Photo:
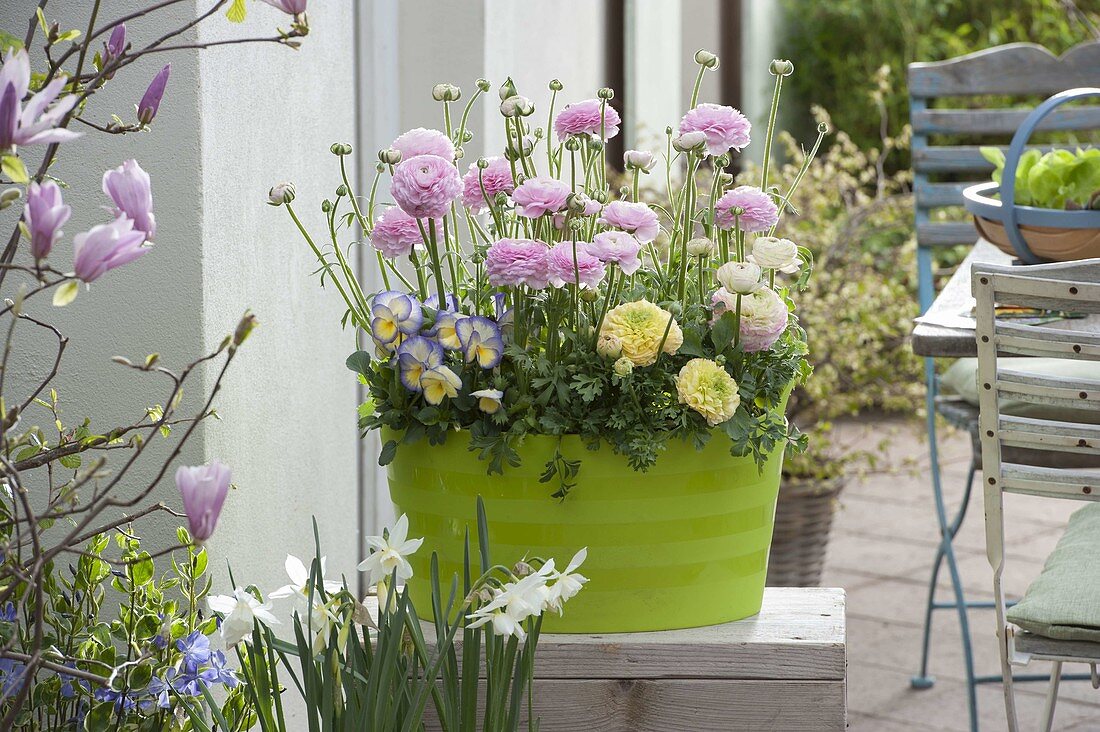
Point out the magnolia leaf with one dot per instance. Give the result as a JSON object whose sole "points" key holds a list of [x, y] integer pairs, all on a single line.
{"points": [[13, 168], [8, 41], [69, 35], [65, 294], [236, 12]]}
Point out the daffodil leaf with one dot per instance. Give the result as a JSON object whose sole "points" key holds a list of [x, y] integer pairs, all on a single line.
{"points": [[236, 12], [13, 168], [65, 294]]}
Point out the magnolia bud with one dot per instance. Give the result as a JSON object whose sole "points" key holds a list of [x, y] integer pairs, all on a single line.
{"points": [[623, 367], [556, 85], [606, 93], [706, 59], [689, 141], [8, 197], [741, 278], [390, 156], [244, 328], [642, 160], [609, 346], [280, 194], [781, 67], [701, 247]]}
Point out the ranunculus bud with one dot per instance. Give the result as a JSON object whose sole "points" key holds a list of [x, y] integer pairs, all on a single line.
{"points": [[642, 160], [340, 148], [606, 93], [483, 84], [689, 141], [609, 346], [600, 195], [588, 294], [741, 278], [280, 194], [341, 190], [326, 205], [781, 67], [459, 153], [823, 128], [556, 85], [623, 367], [483, 163], [706, 58], [507, 89], [390, 156], [674, 308], [516, 106], [595, 144], [573, 143], [446, 93], [701, 246]]}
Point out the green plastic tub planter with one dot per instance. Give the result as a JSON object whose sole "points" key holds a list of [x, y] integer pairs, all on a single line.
{"points": [[682, 545]]}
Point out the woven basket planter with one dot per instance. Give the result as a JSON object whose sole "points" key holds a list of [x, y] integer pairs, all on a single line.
{"points": [[803, 520]]}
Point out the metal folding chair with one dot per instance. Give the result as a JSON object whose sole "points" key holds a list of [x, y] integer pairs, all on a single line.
{"points": [[1071, 287], [940, 173]]}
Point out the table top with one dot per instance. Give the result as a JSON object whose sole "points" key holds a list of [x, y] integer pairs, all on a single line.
{"points": [[947, 329]]}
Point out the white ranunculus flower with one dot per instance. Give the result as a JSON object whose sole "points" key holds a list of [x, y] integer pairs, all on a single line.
{"points": [[689, 141], [772, 253], [390, 552], [741, 278], [239, 611], [642, 160], [701, 246]]}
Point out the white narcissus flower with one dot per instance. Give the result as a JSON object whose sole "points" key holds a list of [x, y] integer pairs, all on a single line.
{"points": [[771, 253], [390, 552], [239, 612], [298, 573], [568, 583], [741, 278]]}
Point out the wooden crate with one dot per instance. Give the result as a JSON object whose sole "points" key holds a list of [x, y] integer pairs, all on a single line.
{"points": [[783, 669]]}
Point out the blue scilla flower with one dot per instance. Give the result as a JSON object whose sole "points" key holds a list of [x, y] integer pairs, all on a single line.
{"points": [[415, 356], [481, 341]]}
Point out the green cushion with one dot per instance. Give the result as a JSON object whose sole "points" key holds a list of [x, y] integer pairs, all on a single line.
{"points": [[962, 379], [1064, 601]]}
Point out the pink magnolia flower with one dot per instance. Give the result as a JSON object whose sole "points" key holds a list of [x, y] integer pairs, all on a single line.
{"points": [[37, 122], [584, 118], [150, 101], [616, 247], [763, 316], [421, 141], [759, 212], [634, 218], [203, 488], [586, 270], [497, 178], [540, 195], [44, 214], [290, 7], [395, 233], [129, 187], [725, 127], [425, 185], [515, 262], [105, 247]]}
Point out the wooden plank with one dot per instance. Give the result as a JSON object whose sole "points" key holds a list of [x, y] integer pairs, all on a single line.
{"points": [[1000, 121], [1016, 68], [960, 158], [937, 195], [946, 233], [698, 705]]}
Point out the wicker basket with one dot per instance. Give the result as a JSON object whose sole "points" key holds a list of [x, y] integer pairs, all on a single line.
{"points": [[803, 519]]}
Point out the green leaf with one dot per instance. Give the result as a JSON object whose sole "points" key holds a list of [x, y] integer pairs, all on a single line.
{"points": [[359, 362], [72, 462], [723, 331], [141, 571], [13, 167], [388, 452], [99, 718], [236, 12], [65, 294], [69, 35], [7, 40]]}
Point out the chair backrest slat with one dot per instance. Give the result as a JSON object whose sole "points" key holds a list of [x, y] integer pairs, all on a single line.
{"points": [[1049, 482], [1081, 393], [943, 167]]}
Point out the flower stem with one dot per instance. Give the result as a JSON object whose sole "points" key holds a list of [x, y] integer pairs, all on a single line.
{"points": [[770, 133]]}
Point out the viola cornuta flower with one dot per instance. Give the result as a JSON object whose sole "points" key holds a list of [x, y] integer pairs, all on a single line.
{"points": [[707, 387], [589, 117], [203, 488], [439, 383], [495, 178], [132, 192], [421, 141], [415, 356], [481, 341], [44, 214], [634, 218], [395, 312], [758, 211], [725, 128], [38, 122], [105, 247], [617, 247], [540, 195], [445, 331], [643, 328], [488, 400], [425, 185], [518, 262], [571, 263]]}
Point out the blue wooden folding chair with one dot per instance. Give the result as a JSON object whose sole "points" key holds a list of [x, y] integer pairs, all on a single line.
{"points": [[942, 168]]}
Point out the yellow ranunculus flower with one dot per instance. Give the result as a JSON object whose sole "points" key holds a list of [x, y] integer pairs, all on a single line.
{"points": [[707, 388], [640, 326]]}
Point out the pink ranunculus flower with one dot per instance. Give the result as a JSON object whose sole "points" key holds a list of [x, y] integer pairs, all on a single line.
{"points": [[105, 247], [586, 270], [425, 185], [617, 247], [763, 316], [515, 262], [395, 233], [44, 214], [584, 118], [634, 218], [725, 127], [540, 195], [129, 187], [759, 210], [203, 489], [497, 178], [421, 141]]}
